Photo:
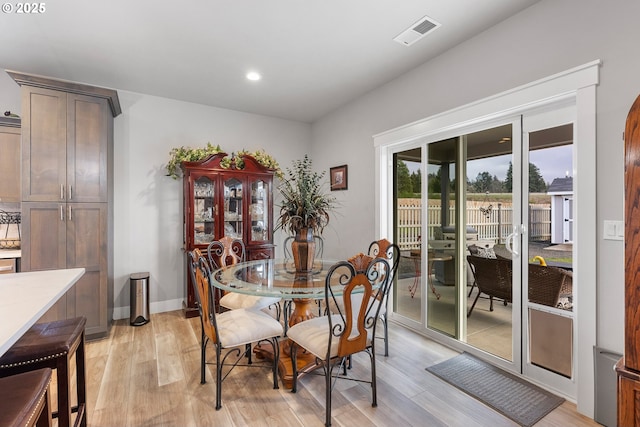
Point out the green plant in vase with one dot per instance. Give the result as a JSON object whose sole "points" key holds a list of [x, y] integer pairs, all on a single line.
{"points": [[304, 210]]}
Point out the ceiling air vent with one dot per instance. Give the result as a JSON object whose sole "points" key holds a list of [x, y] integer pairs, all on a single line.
{"points": [[417, 31]]}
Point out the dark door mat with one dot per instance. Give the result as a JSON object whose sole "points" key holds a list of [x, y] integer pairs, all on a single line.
{"points": [[513, 397]]}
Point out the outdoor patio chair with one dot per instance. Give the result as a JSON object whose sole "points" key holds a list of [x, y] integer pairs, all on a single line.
{"points": [[492, 276], [494, 279]]}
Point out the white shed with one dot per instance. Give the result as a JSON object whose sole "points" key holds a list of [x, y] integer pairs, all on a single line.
{"points": [[561, 192]]}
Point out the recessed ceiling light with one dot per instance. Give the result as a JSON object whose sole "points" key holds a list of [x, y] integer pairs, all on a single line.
{"points": [[253, 76]]}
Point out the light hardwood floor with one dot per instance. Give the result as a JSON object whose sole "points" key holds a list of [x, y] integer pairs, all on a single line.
{"points": [[150, 376]]}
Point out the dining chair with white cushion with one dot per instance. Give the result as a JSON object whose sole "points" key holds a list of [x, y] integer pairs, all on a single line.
{"points": [[227, 251], [350, 329], [233, 330], [383, 248]]}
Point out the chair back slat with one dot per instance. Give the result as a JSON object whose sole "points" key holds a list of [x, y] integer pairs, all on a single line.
{"points": [[226, 251], [383, 248]]}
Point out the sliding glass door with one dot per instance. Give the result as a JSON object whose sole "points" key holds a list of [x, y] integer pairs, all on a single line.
{"points": [[484, 224], [549, 322]]}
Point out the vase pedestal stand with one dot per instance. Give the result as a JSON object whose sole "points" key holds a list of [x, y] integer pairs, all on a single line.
{"points": [[303, 310]]}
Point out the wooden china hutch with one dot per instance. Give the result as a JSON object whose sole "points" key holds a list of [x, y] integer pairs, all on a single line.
{"points": [[628, 368], [227, 196]]}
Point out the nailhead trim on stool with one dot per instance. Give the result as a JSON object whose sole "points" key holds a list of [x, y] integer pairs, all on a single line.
{"points": [[25, 400], [52, 345]]}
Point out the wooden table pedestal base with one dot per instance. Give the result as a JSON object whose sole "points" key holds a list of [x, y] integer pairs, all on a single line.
{"points": [[303, 310]]}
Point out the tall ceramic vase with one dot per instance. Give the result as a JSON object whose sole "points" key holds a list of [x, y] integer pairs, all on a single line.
{"points": [[303, 249]]}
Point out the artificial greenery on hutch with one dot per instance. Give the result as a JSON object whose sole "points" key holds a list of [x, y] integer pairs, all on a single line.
{"points": [[188, 154]]}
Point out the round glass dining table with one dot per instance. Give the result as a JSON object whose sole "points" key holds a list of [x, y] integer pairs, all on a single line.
{"points": [[278, 278]]}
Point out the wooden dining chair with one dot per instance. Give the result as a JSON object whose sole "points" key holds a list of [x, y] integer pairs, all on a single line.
{"points": [[383, 248], [228, 251], [352, 329], [233, 330]]}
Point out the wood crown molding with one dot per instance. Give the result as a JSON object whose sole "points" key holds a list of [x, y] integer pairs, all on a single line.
{"points": [[67, 86]]}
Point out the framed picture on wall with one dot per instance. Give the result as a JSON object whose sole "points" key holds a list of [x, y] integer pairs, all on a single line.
{"points": [[338, 177]]}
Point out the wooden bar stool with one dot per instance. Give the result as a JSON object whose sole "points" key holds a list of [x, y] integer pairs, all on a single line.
{"points": [[25, 400], [52, 345]]}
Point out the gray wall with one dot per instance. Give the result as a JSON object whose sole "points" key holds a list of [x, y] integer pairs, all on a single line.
{"points": [[549, 37], [147, 203]]}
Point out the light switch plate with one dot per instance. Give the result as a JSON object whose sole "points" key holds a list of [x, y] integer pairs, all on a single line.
{"points": [[613, 230]]}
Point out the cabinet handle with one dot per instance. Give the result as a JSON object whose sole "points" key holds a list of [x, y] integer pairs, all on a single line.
{"points": [[7, 268], [61, 191], [69, 214], [70, 193], [61, 213]]}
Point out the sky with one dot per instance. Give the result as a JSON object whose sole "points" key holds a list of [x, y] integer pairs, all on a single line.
{"points": [[553, 163]]}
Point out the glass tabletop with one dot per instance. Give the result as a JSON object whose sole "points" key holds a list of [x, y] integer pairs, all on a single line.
{"points": [[275, 277]]}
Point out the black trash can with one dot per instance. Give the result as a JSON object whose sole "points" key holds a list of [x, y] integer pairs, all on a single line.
{"points": [[139, 293]]}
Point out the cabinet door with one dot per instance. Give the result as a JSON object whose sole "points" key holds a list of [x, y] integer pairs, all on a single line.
{"points": [[259, 211], [43, 236], [88, 121], [86, 247], [44, 245], [202, 212], [628, 402], [44, 137], [233, 210], [9, 164]]}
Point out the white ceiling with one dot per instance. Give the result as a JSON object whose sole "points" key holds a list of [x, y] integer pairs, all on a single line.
{"points": [[314, 55]]}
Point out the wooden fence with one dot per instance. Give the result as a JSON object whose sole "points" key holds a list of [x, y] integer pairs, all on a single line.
{"points": [[492, 222]]}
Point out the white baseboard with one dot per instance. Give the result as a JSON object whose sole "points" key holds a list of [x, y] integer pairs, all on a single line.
{"points": [[154, 307]]}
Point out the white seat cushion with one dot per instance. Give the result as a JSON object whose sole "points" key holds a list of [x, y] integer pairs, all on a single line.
{"points": [[313, 335], [239, 327], [234, 301]]}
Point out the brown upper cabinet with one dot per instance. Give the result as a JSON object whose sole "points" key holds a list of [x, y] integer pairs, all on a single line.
{"points": [[67, 191], [64, 150], [9, 160]]}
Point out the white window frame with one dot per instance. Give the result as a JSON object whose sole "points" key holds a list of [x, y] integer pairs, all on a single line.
{"points": [[578, 83]]}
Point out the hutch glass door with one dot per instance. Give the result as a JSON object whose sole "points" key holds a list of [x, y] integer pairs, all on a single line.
{"points": [[258, 211], [233, 208], [203, 211]]}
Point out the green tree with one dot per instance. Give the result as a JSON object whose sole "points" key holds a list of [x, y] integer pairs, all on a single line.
{"points": [[403, 180], [416, 181], [508, 182], [483, 182], [433, 183], [536, 181]]}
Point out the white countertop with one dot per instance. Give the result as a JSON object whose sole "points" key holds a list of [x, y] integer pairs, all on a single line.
{"points": [[10, 253], [25, 297]]}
